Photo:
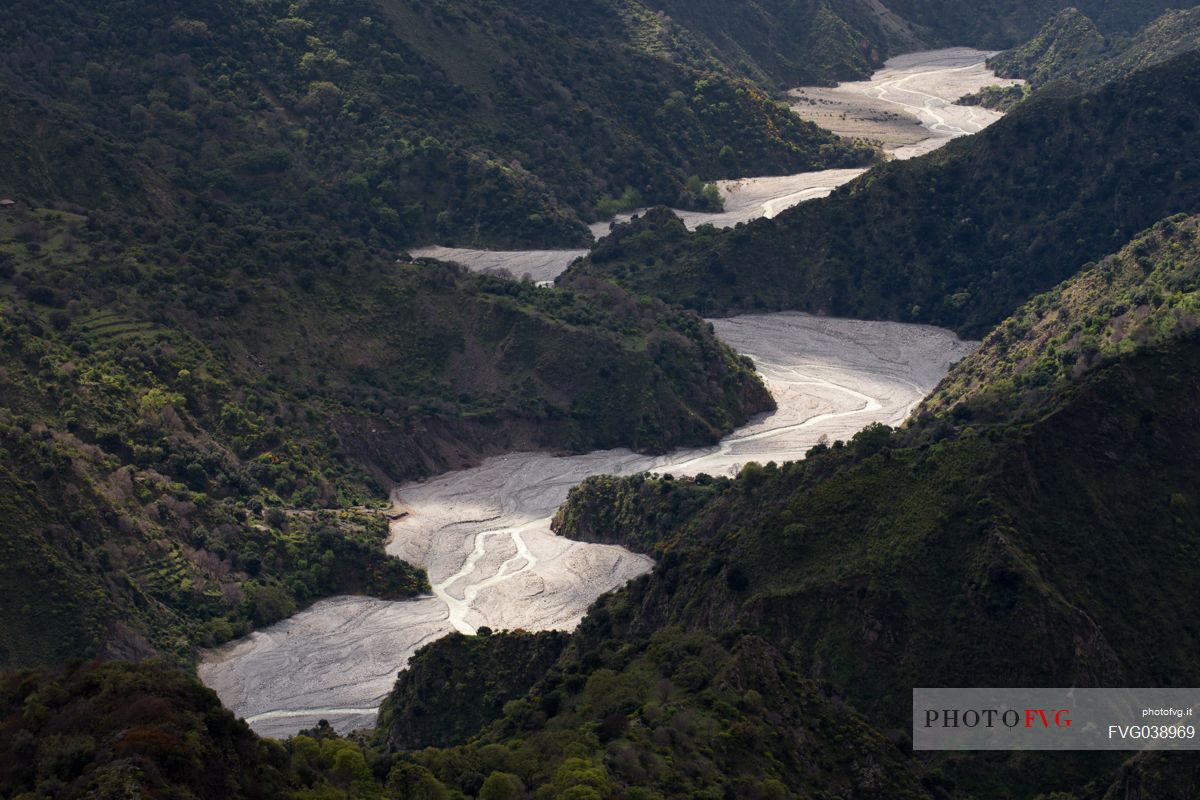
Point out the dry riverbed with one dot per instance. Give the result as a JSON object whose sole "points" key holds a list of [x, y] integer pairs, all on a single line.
{"points": [[908, 107], [484, 533]]}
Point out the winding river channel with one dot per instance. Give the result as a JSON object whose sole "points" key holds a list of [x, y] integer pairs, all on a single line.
{"points": [[483, 534], [907, 107]]}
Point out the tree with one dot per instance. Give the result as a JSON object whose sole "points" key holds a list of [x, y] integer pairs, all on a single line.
{"points": [[501, 786], [579, 779], [413, 782], [271, 604]]}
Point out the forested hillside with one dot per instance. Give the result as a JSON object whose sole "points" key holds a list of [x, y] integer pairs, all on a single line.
{"points": [[454, 686], [959, 238], [1068, 40], [787, 44], [171, 433], [399, 122], [1021, 532], [818, 41], [994, 24], [1071, 47]]}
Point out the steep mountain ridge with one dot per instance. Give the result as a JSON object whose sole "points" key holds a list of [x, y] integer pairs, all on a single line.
{"points": [[1005, 23], [818, 41], [1071, 47], [1067, 40]]}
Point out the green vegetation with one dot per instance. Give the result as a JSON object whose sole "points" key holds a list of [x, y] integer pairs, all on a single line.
{"points": [[1070, 47], [701, 195], [1163, 776], [111, 730], [676, 715], [786, 43], [1144, 296], [1004, 23], [996, 97], [211, 437], [396, 123], [783, 44], [1067, 40], [959, 238], [609, 207], [214, 365], [456, 685], [108, 730], [1037, 510], [1172, 34]]}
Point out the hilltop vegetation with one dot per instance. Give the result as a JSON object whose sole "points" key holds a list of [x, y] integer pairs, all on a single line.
{"points": [[959, 238], [403, 121], [456, 685], [788, 44], [674, 715], [1140, 298], [1069, 39], [147, 730], [113, 729], [1004, 23], [785, 43]]}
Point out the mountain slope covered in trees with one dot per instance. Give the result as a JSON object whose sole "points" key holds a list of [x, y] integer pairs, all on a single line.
{"points": [[789, 43], [184, 447], [1071, 47], [771, 654], [995, 24], [403, 121], [1067, 40], [397, 121], [215, 364]]}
